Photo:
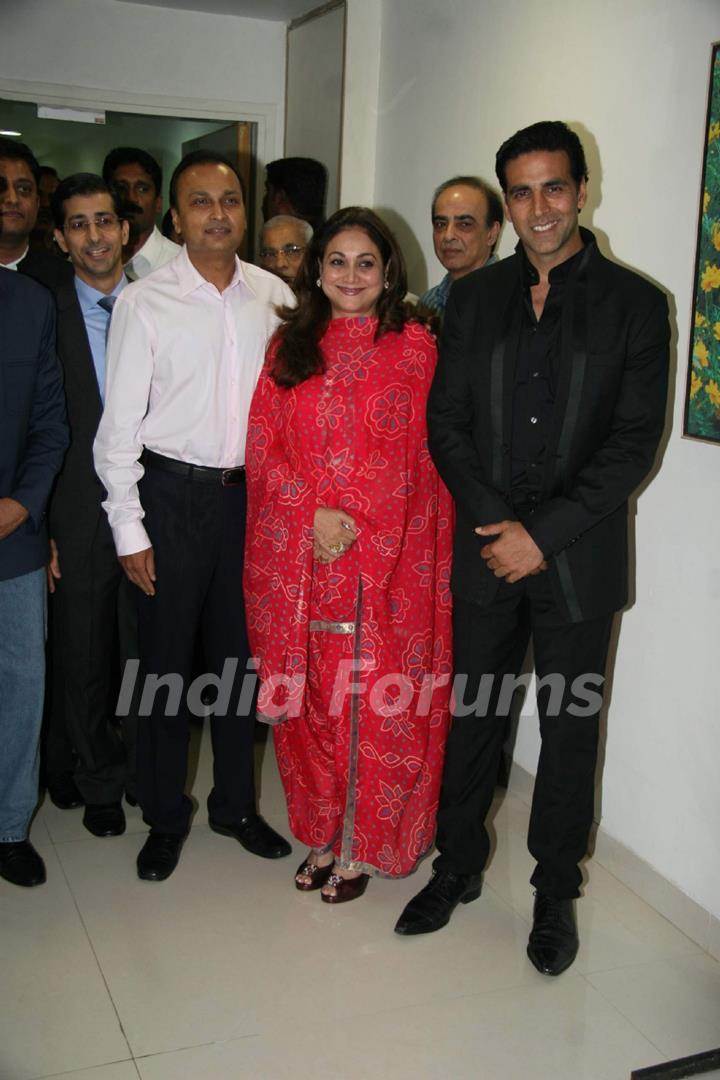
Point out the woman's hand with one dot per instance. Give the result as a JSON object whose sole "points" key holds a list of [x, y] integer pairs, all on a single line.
{"points": [[333, 533]]}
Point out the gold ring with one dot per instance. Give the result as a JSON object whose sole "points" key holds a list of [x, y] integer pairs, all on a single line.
{"points": [[336, 548]]}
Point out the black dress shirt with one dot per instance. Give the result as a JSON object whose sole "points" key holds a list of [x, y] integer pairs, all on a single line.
{"points": [[534, 385]]}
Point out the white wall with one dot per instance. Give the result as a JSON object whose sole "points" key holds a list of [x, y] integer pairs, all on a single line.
{"points": [[144, 50], [458, 78], [313, 118]]}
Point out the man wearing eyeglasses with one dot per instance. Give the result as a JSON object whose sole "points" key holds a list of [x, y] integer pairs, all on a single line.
{"points": [[84, 574], [282, 246]]}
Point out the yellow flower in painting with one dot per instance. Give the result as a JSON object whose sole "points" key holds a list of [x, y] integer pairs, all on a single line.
{"points": [[715, 235], [701, 352], [710, 278], [714, 132], [706, 201], [695, 384], [700, 320], [713, 392], [716, 331]]}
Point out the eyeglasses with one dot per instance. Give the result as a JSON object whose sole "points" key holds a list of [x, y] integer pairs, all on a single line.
{"points": [[103, 222], [290, 251]]}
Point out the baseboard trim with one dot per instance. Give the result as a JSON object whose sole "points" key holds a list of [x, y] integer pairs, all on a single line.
{"points": [[700, 925]]}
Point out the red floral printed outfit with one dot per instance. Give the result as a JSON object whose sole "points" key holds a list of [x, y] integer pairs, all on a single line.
{"points": [[355, 653]]}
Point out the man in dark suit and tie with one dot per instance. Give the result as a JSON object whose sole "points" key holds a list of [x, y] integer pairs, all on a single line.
{"points": [[33, 438], [85, 573], [545, 415]]}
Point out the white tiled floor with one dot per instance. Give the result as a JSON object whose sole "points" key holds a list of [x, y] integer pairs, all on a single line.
{"points": [[226, 972]]}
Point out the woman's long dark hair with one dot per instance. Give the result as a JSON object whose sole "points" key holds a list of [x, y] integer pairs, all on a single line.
{"points": [[298, 353]]}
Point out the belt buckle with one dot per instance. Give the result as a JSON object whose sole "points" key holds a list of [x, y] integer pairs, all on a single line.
{"points": [[232, 477]]}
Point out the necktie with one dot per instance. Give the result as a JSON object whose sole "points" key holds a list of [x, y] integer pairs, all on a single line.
{"points": [[107, 303]]}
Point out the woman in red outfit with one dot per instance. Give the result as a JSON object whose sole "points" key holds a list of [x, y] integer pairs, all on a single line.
{"points": [[347, 563]]}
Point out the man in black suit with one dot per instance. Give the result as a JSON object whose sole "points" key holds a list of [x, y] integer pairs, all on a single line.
{"points": [[85, 574], [19, 206], [33, 438], [544, 417]]}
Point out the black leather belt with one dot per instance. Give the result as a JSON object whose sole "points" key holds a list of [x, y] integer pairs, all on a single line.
{"points": [[226, 477]]}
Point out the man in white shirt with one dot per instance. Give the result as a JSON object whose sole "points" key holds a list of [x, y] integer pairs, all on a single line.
{"points": [[138, 178], [185, 351]]}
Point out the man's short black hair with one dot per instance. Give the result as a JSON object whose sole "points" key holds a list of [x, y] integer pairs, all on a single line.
{"points": [[548, 135], [48, 170], [202, 157], [132, 155], [495, 206], [82, 183], [12, 150], [304, 181]]}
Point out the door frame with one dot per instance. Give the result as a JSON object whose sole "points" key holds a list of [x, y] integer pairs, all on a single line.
{"points": [[265, 116]]}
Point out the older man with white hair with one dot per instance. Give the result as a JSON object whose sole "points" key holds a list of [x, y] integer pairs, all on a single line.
{"points": [[282, 245]]}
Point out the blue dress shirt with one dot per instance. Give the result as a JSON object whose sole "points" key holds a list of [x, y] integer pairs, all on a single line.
{"points": [[96, 323]]}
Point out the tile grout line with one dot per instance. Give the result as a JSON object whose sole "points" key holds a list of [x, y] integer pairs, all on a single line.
{"points": [[627, 1019], [99, 965]]}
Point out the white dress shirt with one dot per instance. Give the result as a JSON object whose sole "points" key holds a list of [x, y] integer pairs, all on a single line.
{"points": [[182, 363], [157, 251], [15, 263]]}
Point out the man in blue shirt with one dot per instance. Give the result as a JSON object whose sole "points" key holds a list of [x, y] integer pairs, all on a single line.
{"points": [[84, 571], [467, 216]]}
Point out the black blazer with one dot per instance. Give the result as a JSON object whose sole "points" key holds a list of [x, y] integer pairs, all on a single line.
{"points": [[611, 388], [33, 430], [75, 512]]}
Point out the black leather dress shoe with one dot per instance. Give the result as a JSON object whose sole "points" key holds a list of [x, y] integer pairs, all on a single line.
{"points": [[20, 864], [106, 819], [255, 835], [432, 907], [159, 856], [553, 943], [64, 793]]}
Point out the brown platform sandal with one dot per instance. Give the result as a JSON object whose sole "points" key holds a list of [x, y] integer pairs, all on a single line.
{"points": [[345, 888], [318, 876]]}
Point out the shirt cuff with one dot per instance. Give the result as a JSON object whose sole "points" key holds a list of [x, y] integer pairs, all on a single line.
{"points": [[130, 538]]}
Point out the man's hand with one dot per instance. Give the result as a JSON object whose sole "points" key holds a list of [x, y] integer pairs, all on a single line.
{"points": [[12, 514], [53, 567], [140, 568], [513, 554]]}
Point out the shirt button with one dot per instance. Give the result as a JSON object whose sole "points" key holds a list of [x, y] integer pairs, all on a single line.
{"points": [[533, 419], [535, 374]]}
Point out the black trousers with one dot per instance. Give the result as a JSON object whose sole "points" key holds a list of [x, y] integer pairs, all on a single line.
{"points": [[81, 733], [492, 642], [197, 529]]}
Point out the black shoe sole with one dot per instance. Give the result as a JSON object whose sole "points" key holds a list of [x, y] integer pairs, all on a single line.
{"points": [[544, 971], [412, 931], [224, 831], [148, 875]]}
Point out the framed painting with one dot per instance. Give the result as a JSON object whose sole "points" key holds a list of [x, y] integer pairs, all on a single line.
{"points": [[702, 402]]}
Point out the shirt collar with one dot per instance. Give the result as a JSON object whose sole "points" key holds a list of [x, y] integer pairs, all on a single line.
{"points": [[190, 279], [146, 253], [88, 296], [558, 273], [16, 262]]}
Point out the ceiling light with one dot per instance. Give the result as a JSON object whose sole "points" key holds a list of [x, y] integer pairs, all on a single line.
{"points": [[10, 132]]}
